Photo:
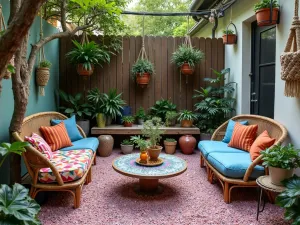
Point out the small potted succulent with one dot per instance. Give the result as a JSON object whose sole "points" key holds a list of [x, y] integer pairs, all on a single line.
{"points": [[143, 146], [229, 37], [127, 146], [43, 75], [263, 12], [171, 117], [152, 130], [186, 118], [141, 72], [186, 58], [128, 121], [140, 116], [281, 161], [170, 145]]}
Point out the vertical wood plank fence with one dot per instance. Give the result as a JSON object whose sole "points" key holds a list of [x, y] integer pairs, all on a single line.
{"points": [[166, 83]]}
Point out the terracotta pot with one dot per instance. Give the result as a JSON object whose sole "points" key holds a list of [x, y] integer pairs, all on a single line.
{"points": [[101, 120], [126, 149], [204, 136], [186, 69], [106, 144], [263, 16], [127, 124], [83, 72], [277, 175], [144, 80], [170, 147], [154, 152], [187, 144], [143, 157], [232, 38], [186, 123]]}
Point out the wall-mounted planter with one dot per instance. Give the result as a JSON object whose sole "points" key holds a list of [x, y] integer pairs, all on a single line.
{"points": [[264, 17], [83, 72], [143, 80], [229, 39], [186, 69]]}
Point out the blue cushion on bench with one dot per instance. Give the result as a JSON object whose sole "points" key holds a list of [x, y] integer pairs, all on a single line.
{"points": [[230, 128], [234, 165], [207, 147], [85, 143]]}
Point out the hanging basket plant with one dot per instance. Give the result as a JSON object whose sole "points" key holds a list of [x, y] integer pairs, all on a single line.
{"points": [[141, 72], [43, 75], [230, 36], [267, 12]]}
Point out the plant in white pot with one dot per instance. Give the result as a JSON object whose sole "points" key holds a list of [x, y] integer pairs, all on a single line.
{"points": [[127, 146], [281, 161]]}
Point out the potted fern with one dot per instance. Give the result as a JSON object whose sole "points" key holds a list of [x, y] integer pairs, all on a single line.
{"points": [[128, 121], [141, 72], [229, 37], [186, 118], [127, 146], [140, 115], [171, 117], [263, 12]]}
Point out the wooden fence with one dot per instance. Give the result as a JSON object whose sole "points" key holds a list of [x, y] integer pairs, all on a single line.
{"points": [[166, 83]]}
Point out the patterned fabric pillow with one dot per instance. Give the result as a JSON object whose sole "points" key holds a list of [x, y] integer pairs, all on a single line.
{"points": [[56, 136], [243, 136], [261, 143], [40, 144]]}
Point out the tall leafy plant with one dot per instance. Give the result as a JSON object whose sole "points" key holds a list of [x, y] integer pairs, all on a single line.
{"points": [[152, 130], [161, 107], [216, 103], [96, 100], [140, 67]]}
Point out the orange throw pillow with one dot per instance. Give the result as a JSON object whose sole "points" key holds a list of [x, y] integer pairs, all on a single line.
{"points": [[243, 136], [262, 142], [56, 136]]}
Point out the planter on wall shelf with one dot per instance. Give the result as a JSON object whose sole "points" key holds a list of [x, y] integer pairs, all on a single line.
{"points": [[263, 16], [83, 72], [229, 39], [143, 80], [186, 69], [127, 124], [186, 123]]}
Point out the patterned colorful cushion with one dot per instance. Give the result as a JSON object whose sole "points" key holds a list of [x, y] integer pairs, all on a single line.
{"points": [[243, 136], [71, 165], [56, 136], [261, 143], [40, 144]]}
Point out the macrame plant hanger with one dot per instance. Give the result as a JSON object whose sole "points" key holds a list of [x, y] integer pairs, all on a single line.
{"points": [[84, 40], [290, 58], [7, 74], [43, 73]]}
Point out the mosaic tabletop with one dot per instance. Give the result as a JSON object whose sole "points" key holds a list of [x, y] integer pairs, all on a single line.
{"points": [[171, 166]]}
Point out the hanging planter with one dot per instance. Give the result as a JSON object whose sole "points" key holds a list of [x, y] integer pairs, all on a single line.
{"points": [[230, 36], [142, 71], [43, 75], [267, 13], [81, 70]]}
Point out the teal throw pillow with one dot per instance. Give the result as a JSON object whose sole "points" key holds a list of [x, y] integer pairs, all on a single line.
{"points": [[229, 130]]}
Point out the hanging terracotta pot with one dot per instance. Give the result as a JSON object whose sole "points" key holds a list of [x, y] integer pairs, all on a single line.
{"points": [[186, 69], [42, 78], [143, 80], [187, 144], [229, 39], [83, 72], [263, 16]]}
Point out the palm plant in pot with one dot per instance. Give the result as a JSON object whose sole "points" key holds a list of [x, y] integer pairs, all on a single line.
{"points": [[141, 72], [128, 121], [127, 146], [186, 118], [186, 58], [140, 116], [263, 12], [152, 130], [229, 37], [86, 56], [170, 145], [281, 161], [143, 146], [96, 100]]}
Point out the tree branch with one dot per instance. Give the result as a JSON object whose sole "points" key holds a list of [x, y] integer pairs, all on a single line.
{"points": [[63, 15]]}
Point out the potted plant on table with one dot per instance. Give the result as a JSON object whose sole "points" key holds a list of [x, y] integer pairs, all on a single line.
{"points": [[263, 12], [281, 161], [128, 121], [170, 145], [143, 145], [152, 130], [86, 56], [171, 117], [140, 115], [141, 72], [186, 58], [161, 107], [43, 75], [186, 118], [229, 37], [127, 146]]}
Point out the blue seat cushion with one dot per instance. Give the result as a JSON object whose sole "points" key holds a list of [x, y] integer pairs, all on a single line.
{"points": [[234, 165], [85, 143], [230, 128], [71, 127], [207, 147]]}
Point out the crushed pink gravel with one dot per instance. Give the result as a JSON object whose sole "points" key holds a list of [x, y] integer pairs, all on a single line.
{"points": [[187, 199]]}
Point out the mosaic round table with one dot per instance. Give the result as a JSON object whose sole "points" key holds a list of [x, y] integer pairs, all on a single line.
{"points": [[149, 176]]}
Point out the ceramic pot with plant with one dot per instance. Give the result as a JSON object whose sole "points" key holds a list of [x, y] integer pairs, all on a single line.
{"points": [[170, 145], [96, 100], [140, 116], [152, 130], [263, 12], [214, 108], [229, 37], [281, 161], [161, 107], [141, 72], [143, 146], [186, 118], [171, 117], [186, 58], [128, 121], [43, 75], [127, 146], [74, 105], [86, 56]]}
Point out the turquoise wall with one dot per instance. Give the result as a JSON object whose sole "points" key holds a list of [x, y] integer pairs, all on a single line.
{"points": [[36, 103]]}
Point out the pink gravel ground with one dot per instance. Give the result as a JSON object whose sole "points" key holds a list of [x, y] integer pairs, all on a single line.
{"points": [[187, 199]]}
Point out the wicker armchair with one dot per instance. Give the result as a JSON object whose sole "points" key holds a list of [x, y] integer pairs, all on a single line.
{"points": [[34, 160], [274, 129]]}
